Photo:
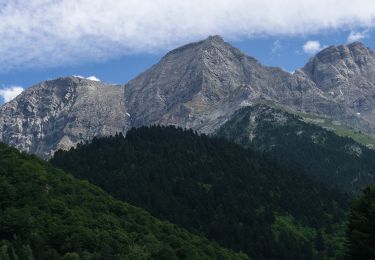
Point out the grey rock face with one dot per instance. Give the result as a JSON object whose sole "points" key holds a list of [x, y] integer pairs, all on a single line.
{"points": [[199, 86], [58, 114], [346, 73]]}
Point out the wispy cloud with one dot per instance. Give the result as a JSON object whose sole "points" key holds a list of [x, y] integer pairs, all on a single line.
{"points": [[276, 46], [10, 93], [59, 32], [311, 47], [357, 36]]}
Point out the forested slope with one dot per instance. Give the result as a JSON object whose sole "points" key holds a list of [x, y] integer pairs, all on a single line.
{"points": [[336, 161], [238, 197], [47, 214]]}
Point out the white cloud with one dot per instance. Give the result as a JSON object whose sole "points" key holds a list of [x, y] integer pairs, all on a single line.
{"points": [[79, 76], [311, 47], [355, 36], [93, 78], [59, 32], [11, 92]]}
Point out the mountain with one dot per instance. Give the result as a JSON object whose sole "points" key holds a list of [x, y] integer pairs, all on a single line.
{"points": [[235, 196], [201, 84], [347, 73], [198, 86], [57, 114], [46, 214], [338, 162]]}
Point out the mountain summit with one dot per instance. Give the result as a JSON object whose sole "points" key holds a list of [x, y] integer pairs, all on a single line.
{"points": [[57, 114], [199, 86], [346, 73]]}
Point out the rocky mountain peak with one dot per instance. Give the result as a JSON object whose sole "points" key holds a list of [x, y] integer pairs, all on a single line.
{"points": [[336, 65], [358, 46], [214, 39], [57, 114], [350, 52], [199, 85]]}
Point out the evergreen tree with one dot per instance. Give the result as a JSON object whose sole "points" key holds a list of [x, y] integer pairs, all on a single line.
{"points": [[361, 226]]}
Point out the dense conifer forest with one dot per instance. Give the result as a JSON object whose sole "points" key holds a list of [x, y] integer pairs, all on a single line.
{"points": [[338, 162], [242, 199], [361, 226], [48, 214]]}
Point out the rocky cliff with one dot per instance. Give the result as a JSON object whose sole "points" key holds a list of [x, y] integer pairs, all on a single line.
{"points": [[57, 114], [199, 86]]}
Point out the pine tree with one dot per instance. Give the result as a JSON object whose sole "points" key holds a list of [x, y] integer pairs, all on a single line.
{"points": [[361, 227]]}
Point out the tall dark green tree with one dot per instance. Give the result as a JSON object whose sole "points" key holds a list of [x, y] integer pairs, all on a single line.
{"points": [[361, 226]]}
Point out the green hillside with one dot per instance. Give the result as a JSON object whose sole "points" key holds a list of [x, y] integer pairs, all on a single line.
{"points": [[337, 161], [240, 198], [328, 124], [47, 214]]}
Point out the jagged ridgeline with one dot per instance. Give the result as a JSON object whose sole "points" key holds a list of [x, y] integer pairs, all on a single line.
{"points": [[198, 86], [47, 214], [211, 186], [338, 162]]}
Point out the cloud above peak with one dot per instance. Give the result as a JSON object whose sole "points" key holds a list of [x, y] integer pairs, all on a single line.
{"points": [[312, 47], [355, 36], [10, 93], [92, 78], [60, 32]]}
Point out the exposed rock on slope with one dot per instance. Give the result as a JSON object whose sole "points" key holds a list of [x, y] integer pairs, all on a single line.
{"points": [[59, 113], [199, 86], [346, 73]]}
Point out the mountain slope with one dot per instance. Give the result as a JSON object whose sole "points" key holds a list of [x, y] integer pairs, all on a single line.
{"points": [[46, 213], [211, 186], [59, 113], [201, 84], [198, 86], [336, 161], [347, 74]]}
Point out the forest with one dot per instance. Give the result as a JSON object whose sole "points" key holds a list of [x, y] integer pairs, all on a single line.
{"points": [[46, 214], [241, 198], [338, 162]]}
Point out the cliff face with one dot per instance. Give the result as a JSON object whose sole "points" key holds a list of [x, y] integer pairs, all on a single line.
{"points": [[199, 86], [346, 73], [58, 114]]}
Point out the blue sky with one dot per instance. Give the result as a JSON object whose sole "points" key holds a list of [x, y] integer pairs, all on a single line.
{"points": [[116, 40]]}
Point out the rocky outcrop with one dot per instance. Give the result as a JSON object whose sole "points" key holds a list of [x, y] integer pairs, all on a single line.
{"points": [[199, 86], [346, 74], [57, 114]]}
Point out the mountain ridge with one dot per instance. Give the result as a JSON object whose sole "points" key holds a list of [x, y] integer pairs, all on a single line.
{"points": [[199, 85], [338, 162]]}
